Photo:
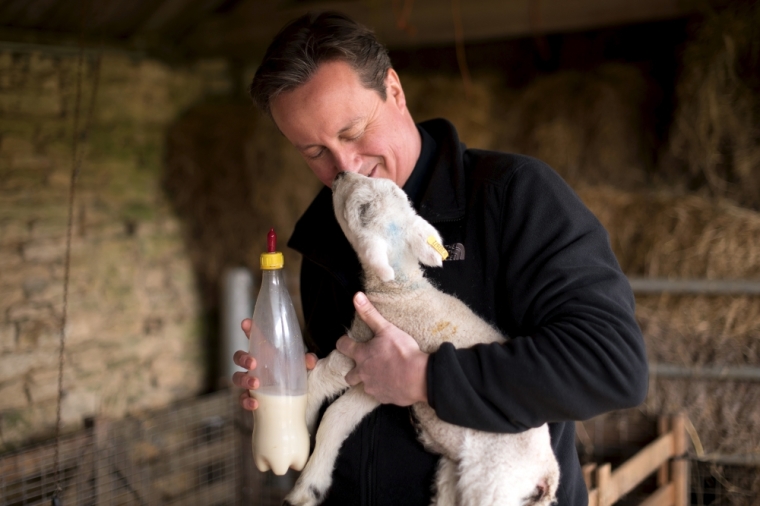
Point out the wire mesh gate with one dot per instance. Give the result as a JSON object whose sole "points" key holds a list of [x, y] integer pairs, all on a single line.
{"points": [[189, 454]]}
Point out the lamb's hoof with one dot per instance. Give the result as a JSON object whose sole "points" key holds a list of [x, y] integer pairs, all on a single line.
{"points": [[303, 496]]}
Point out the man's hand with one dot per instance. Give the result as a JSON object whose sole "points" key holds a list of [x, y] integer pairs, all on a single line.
{"points": [[391, 365], [248, 362]]}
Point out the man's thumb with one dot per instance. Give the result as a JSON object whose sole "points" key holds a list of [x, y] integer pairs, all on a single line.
{"points": [[368, 313]]}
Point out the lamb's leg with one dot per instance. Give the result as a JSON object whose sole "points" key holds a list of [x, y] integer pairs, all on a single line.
{"points": [[482, 479], [376, 254], [339, 421], [436, 435], [325, 381], [508, 469], [445, 483]]}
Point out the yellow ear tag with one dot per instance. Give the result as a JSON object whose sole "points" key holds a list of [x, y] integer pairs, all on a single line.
{"points": [[438, 247]]}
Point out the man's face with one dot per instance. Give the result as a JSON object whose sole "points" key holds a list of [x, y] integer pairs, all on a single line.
{"points": [[339, 125]]}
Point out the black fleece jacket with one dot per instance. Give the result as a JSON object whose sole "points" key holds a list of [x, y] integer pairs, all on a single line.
{"points": [[535, 262]]}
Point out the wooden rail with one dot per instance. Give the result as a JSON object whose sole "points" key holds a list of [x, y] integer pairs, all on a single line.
{"points": [[665, 456]]}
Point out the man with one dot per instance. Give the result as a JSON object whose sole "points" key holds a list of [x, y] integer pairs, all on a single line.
{"points": [[531, 259]]}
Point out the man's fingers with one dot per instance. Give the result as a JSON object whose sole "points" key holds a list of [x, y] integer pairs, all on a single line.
{"points": [[248, 402], [369, 314], [349, 348], [246, 326], [243, 380], [244, 360], [311, 361]]}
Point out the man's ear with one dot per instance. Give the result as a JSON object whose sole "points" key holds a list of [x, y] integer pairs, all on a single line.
{"points": [[394, 90], [418, 238]]}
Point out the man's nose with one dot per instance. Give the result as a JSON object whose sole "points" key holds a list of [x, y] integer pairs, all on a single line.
{"points": [[347, 161]]}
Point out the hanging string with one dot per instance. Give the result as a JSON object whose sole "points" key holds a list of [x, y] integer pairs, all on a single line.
{"points": [[402, 13], [66, 266], [456, 13], [535, 22], [76, 165]]}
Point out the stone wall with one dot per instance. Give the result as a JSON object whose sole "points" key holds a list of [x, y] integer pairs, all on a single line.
{"points": [[133, 338]]}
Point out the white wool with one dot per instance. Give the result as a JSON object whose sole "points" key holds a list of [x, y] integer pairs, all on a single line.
{"points": [[476, 468]]}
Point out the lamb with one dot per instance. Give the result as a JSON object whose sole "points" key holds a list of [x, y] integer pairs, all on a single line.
{"points": [[476, 468]]}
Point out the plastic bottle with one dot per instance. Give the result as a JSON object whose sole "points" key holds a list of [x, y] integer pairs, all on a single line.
{"points": [[280, 438]]}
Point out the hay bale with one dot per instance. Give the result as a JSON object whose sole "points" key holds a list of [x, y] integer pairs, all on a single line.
{"points": [[657, 234], [662, 234], [586, 125], [443, 96], [715, 139]]}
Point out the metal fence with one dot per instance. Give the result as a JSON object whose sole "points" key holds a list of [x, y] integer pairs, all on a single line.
{"points": [[189, 454]]}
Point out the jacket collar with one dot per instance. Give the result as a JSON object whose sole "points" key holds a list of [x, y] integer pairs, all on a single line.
{"points": [[443, 199]]}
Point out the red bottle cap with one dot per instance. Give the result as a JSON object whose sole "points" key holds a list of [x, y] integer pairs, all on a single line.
{"points": [[271, 241]]}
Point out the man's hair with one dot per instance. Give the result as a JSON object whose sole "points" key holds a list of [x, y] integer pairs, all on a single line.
{"points": [[302, 46]]}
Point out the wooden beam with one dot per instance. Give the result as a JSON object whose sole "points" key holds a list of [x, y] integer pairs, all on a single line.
{"points": [[593, 498], [64, 43], [176, 17], [645, 462], [588, 475], [680, 465], [25, 12], [605, 494], [663, 496], [671, 446], [253, 23], [166, 11], [663, 424]]}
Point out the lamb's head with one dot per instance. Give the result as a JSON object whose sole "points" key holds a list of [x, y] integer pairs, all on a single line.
{"points": [[380, 223]]}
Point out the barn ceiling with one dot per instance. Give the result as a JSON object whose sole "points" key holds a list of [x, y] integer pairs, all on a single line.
{"points": [[241, 29]]}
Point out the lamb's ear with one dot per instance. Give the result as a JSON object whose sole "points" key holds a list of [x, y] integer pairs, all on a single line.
{"points": [[426, 243], [374, 251]]}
